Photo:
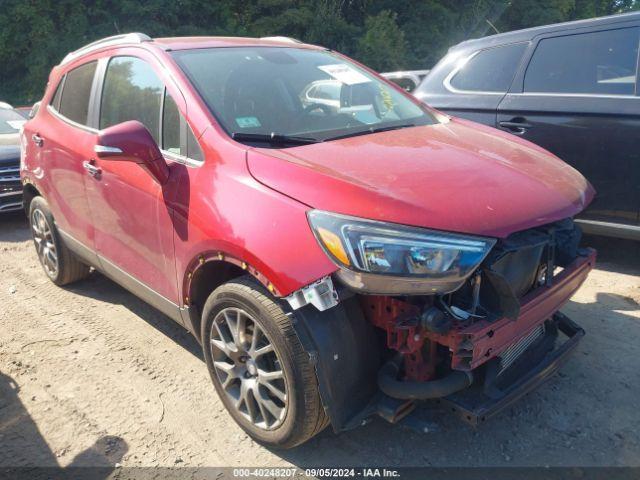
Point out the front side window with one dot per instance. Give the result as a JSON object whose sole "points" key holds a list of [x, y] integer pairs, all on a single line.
{"points": [[317, 95], [131, 91], [76, 92], [602, 63], [490, 70]]}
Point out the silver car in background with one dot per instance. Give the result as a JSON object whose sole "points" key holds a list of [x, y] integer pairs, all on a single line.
{"points": [[407, 79]]}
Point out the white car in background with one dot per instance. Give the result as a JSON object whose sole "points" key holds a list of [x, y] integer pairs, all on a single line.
{"points": [[407, 79]]}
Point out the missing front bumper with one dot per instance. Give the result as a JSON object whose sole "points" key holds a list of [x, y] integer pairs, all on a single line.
{"points": [[478, 403]]}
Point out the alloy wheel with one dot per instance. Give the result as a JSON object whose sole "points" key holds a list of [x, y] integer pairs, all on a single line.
{"points": [[248, 368], [45, 245]]}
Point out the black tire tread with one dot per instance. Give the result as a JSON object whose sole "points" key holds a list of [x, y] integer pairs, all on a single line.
{"points": [[71, 269], [316, 418]]}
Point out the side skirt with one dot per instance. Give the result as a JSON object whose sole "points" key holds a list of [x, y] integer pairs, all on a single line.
{"points": [[123, 279]]}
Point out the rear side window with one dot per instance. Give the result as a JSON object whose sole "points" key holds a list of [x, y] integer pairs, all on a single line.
{"points": [[131, 91], [490, 70], [74, 102], [593, 63]]}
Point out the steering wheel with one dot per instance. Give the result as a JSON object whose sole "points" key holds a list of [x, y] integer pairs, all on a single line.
{"points": [[317, 106]]}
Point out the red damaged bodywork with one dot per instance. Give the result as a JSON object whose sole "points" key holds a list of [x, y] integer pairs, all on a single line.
{"points": [[454, 176], [471, 343]]}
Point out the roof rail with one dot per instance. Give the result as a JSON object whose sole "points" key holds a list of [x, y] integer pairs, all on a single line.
{"points": [[282, 39], [106, 42]]}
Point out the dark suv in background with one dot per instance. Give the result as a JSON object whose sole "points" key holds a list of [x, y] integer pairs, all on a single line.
{"points": [[10, 186], [572, 88]]}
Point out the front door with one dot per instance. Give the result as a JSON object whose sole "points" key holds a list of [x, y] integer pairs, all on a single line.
{"points": [[131, 212], [577, 98]]}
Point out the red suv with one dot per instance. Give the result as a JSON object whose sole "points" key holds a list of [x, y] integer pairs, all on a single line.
{"points": [[339, 249]]}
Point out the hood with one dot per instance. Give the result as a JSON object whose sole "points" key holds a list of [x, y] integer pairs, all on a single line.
{"points": [[455, 176]]}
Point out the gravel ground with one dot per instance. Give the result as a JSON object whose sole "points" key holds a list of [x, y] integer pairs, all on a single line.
{"points": [[90, 375]]}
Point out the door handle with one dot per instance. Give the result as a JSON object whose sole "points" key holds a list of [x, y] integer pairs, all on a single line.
{"points": [[37, 139], [91, 168], [515, 126]]}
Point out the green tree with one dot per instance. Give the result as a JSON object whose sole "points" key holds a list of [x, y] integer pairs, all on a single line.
{"points": [[385, 34], [382, 46]]}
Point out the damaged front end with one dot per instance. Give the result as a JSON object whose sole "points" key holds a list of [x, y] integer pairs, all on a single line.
{"points": [[481, 337]]}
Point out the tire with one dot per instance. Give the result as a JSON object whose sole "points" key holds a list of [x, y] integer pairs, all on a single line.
{"points": [[303, 415], [57, 261]]}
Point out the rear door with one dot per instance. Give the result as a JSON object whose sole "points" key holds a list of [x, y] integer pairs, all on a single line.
{"points": [[63, 140], [472, 84], [577, 97]]}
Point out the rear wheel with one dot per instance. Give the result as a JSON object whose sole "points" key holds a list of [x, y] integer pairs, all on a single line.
{"points": [[258, 366], [58, 262]]}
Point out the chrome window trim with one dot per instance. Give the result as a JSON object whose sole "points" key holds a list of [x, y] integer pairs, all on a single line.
{"points": [[189, 162], [174, 157], [61, 117], [578, 95], [447, 81]]}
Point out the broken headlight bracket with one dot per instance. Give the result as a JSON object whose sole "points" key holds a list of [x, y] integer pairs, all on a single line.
{"points": [[321, 294]]}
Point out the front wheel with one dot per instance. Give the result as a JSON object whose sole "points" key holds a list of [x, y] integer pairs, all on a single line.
{"points": [[258, 366]]}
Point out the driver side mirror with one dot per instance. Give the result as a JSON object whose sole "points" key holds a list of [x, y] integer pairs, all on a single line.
{"points": [[131, 142]]}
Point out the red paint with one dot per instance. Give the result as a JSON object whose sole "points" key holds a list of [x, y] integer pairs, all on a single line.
{"points": [[251, 204], [456, 176]]}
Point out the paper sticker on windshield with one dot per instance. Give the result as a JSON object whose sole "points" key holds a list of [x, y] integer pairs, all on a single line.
{"points": [[248, 122], [344, 73], [16, 124]]}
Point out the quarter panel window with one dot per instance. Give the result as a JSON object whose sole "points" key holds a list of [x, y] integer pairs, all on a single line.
{"points": [[55, 101], [74, 103], [490, 70], [593, 63], [173, 126], [131, 91], [194, 151]]}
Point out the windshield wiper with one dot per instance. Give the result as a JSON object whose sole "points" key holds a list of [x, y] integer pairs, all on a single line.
{"points": [[273, 138], [370, 130]]}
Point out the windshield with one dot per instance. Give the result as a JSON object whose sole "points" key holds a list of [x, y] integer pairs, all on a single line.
{"points": [[287, 92], [10, 121]]}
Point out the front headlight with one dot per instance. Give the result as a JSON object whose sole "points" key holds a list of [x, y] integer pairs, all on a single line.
{"points": [[391, 259]]}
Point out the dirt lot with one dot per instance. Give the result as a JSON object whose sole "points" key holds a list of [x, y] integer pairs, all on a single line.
{"points": [[90, 375]]}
